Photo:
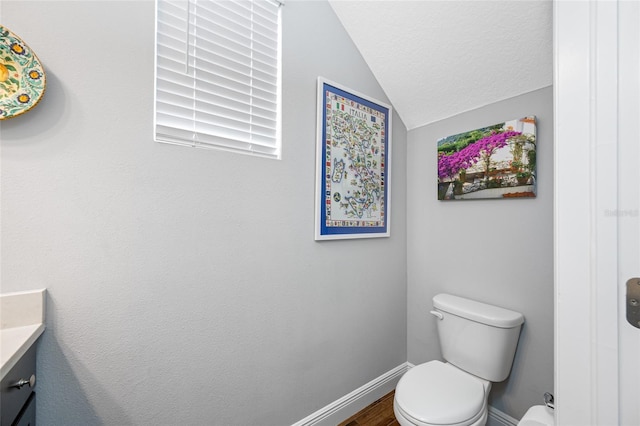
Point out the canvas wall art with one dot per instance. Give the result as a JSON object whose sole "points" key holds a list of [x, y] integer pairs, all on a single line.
{"points": [[497, 161]]}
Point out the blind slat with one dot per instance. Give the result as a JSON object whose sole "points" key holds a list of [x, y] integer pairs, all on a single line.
{"points": [[217, 75]]}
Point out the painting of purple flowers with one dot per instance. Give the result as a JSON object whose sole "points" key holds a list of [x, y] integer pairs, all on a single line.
{"points": [[497, 161]]}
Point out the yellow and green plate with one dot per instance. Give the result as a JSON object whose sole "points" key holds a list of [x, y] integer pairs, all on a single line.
{"points": [[22, 78]]}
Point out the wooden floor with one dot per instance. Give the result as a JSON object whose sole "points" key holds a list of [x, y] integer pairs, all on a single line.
{"points": [[380, 413]]}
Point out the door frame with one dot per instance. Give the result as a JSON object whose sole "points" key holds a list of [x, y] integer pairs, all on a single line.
{"points": [[585, 223]]}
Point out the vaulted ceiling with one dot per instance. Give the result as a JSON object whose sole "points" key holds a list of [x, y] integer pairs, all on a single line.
{"points": [[435, 59]]}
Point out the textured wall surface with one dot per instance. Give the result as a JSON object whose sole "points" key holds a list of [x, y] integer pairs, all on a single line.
{"points": [[494, 251], [185, 286]]}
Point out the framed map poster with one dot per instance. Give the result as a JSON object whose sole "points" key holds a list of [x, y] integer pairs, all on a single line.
{"points": [[353, 161]]}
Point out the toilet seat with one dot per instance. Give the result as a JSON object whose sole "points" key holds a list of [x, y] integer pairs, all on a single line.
{"points": [[436, 393]]}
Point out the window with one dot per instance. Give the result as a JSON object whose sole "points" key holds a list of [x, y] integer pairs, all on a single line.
{"points": [[218, 74]]}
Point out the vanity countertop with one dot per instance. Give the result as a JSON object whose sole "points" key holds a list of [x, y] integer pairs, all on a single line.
{"points": [[21, 323]]}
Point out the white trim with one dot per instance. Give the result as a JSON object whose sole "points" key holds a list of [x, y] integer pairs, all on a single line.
{"points": [[627, 212], [573, 215], [355, 401], [348, 405], [585, 109], [498, 418]]}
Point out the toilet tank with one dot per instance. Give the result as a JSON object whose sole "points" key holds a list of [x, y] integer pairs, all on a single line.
{"points": [[478, 338]]}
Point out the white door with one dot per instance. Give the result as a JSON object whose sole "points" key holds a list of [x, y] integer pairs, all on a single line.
{"points": [[628, 213], [597, 210]]}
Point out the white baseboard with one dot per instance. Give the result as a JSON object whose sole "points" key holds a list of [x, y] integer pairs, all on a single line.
{"points": [[355, 401], [498, 418]]}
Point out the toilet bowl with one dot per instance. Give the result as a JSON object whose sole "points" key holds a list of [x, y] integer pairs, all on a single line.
{"points": [[459, 399], [478, 341]]}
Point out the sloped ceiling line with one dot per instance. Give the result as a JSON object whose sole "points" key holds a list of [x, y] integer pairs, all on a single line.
{"points": [[436, 59]]}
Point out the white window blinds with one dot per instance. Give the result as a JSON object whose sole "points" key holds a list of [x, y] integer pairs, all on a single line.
{"points": [[218, 74]]}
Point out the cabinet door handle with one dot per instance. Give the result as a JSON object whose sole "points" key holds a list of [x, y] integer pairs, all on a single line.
{"points": [[22, 382]]}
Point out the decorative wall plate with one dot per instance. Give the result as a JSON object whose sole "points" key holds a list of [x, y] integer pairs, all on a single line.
{"points": [[22, 78]]}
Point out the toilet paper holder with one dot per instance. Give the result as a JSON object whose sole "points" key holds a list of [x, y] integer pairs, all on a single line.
{"points": [[548, 400]]}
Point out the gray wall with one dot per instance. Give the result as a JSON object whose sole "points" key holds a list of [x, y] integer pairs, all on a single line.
{"points": [[495, 251], [185, 286]]}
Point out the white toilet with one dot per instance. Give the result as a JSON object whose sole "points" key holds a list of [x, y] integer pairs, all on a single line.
{"points": [[478, 342]]}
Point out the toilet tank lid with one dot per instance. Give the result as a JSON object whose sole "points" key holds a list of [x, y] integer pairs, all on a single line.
{"points": [[478, 311]]}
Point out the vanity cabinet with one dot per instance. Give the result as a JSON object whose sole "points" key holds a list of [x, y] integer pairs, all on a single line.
{"points": [[17, 398]]}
